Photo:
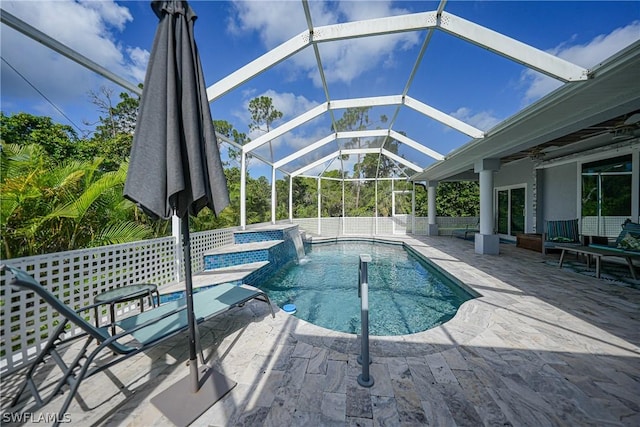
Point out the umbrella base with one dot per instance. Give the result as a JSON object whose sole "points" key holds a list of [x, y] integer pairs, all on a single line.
{"points": [[182, 406]]}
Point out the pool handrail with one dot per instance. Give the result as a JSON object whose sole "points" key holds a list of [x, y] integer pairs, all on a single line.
{"points": [[364, 379]]}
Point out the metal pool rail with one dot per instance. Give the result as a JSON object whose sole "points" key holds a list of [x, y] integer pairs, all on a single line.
{"points": [[364, 379]]}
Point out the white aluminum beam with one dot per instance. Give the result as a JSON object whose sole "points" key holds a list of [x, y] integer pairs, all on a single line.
{"points": [[306, 150], [512, 49], [352, 151], [373, 27], [64, 50], [235, 144], [362, 133], [373, 101], [353, 134], [326, 178], [393, 24], [258, 65], [316, 163], [227, 140], [399, 159], [443, 118], [282, 129], [415, 145], [366, 102]]}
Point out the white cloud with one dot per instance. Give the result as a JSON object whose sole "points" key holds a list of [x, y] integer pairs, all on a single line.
{"points": [[585, 55], [277, 22], [483, 120], [139, 60], [89, 27]]}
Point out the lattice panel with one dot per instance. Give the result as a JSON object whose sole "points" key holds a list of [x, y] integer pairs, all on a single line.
{"points": [[359, 225], [608, 226], [421, 225], [75, 277], [331, 226], [310, 225]]}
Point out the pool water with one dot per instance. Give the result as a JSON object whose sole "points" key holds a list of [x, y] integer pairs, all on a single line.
{"points": [[406, 294]]}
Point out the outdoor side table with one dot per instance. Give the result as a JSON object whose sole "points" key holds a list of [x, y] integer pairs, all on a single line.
{"points": [[123, 294]]}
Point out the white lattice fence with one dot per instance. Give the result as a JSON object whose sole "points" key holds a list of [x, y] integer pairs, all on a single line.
{"points": [[381, 225], [310, 225], [446, 224], [609, 226], [421, 225], [75, 277]]}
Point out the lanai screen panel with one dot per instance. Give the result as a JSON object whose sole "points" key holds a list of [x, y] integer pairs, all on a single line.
{"points": [[304, 137], [311, 157], [365, 67]]}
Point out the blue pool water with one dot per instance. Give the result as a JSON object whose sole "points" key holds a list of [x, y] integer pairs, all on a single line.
{"points": [[406, 294]]}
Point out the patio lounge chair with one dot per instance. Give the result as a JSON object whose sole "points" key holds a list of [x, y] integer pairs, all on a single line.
{"points": [[148, 328], [560, 231]]}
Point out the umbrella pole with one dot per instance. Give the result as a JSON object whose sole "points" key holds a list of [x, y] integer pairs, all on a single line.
{"points": [[188, 279], [184, 401]]}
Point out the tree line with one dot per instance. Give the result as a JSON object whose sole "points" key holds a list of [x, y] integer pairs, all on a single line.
{"points": [[62, 191]]}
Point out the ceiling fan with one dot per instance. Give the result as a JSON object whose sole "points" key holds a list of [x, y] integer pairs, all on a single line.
{"points": [[622, 130]]}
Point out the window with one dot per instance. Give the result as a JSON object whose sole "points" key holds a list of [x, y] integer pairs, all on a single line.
{"points": [[606, 195]]}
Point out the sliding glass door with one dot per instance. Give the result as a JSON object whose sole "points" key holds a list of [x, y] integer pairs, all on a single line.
{"points": [[510, 211]]}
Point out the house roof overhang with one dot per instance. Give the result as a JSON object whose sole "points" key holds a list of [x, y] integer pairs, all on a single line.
{"points": [[571, 119]]}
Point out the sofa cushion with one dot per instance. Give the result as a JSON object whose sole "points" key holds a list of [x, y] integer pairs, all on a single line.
{"points": [[630, 242]]}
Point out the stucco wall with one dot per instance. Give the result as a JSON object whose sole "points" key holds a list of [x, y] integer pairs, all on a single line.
{"points": [[560, 192]]}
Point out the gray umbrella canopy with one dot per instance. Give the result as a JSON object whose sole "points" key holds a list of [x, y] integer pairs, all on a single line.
{"points": [[175, 168], [175, 163]]}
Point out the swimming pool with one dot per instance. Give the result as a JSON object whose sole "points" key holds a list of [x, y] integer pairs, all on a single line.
{"points": [[406, 294]]}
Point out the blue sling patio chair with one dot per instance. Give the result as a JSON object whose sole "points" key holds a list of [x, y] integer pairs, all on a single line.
{"points": [[149, 328]]}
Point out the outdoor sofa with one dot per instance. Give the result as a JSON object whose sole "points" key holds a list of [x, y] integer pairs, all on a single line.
{"points": [[626, 246], [563, 232]]}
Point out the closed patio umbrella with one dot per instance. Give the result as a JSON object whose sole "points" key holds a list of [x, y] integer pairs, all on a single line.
{"points": [[175, 169]]}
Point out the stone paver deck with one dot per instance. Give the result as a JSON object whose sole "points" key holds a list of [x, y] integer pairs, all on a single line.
{"points": [[541, 347]]}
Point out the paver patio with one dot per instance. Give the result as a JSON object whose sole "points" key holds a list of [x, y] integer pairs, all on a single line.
{"points": [[541, 347]]}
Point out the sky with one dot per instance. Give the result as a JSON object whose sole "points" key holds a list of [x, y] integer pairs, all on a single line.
{"points": [[465, 81]]}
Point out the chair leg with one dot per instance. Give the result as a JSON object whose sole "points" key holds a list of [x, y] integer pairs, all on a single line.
{"points": [[631, 269], [68, 377], [28, 381], [74, 382]]}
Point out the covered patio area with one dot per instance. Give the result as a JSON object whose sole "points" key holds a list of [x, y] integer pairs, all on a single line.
{"points": [[541, 346]]}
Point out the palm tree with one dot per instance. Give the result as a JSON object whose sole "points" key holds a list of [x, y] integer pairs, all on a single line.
{"points": [[61, 207]]}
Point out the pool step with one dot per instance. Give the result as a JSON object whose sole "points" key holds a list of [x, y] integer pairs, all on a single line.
{"points": [[265, 233], [236, 274]]}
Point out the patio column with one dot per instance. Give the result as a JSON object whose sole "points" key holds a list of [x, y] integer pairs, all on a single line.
{"points": [[432, 186], [243, 191], [413, 208], [486, 242], [290, 199], [273, 195]]}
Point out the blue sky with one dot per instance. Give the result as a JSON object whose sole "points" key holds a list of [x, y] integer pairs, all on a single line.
{"points": [[455, 77]]}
